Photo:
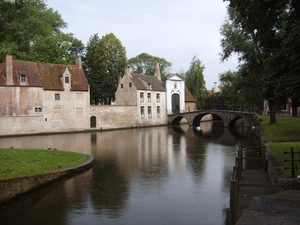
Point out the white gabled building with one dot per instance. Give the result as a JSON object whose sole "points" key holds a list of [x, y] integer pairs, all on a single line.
{"points": [[175, 88]]}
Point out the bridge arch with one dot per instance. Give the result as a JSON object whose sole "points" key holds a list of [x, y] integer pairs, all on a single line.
{"points": [[228, 117], [197, 119]]}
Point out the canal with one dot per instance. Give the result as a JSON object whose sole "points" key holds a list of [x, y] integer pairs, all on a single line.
{"points": [[155, 175]]}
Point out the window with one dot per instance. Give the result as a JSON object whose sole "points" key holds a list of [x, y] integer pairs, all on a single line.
{"points": [[149, 97], [57, 96], [158, 111], [130, 84], [67, 80], [38, 109], [149, 112], [23, 78], [142, 97], [142, 112], [121, 85], [149, 87], [157, 98]]}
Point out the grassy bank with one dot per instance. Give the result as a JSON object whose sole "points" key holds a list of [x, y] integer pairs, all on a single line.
{"points": [[26, 162], [283, 135]]}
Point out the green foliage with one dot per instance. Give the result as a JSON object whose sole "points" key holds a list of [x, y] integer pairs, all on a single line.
{"points": [[258, 31], [238, 91], [27, 162], [194, 81], [283, 136], [31, 31], [144, 63], [286, 129], [107, 64]]}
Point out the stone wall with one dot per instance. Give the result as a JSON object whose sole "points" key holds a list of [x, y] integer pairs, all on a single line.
{"points": [[11, 188], [113, 117]]}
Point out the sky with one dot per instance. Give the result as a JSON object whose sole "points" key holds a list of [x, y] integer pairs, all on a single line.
{"points": [[175, 30]]}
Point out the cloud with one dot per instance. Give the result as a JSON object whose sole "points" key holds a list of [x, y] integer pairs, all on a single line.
{"points": [[175, 30]]}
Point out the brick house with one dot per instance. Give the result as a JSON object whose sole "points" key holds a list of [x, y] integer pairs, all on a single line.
{"points": [[147, 93], [42, 97], [190, 101]]}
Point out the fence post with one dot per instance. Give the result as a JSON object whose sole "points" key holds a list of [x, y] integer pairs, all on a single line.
{"points": [[265, 161], [292, 162], [240, 162], [234, 201]]}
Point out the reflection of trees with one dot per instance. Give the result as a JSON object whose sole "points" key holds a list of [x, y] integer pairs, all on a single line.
{"points": [[109, 189]]}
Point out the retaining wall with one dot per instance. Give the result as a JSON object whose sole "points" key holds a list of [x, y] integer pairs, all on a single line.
{"points": [[12, 188]]}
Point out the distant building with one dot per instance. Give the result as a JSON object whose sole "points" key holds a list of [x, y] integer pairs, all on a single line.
{"points": [[147, 93], [42, 97], [190, 101], [175, 88]]}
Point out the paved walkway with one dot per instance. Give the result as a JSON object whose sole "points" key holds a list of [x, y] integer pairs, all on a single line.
{"points": [[258, 204], [282, 208], [254, 183]]}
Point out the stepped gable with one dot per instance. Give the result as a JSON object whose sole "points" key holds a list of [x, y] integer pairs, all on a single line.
{"points": [[142, 82], [45, 75]]}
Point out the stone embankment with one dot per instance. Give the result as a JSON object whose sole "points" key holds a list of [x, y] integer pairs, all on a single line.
{"points": [[282, 207], [12, 188]]}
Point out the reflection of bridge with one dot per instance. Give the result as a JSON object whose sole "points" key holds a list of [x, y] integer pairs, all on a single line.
{"points": [[229, 117]]}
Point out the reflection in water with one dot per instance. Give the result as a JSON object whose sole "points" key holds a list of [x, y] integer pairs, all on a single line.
{"points": [[174, 175]]}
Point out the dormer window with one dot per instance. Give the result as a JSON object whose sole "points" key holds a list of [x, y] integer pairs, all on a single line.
{"points": [[23, 78], [130, 84], [67, 80], [149, 86]]}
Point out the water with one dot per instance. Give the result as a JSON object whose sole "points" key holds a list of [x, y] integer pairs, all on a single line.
{"points": [[157, 175]]}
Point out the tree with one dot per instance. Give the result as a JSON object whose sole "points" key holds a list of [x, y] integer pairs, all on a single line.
{"points": [[108, 62], [145, 64], [238, 91], [255, 32], [25, 23], [194, 81], [90, 67]]}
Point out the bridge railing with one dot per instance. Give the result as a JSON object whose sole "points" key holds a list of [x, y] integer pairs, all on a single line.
{"points": [[234, 108], [170, 112]]}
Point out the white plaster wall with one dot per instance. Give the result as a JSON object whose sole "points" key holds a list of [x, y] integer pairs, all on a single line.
{"points": [[70, 102], [171, 89], [155, 119]]}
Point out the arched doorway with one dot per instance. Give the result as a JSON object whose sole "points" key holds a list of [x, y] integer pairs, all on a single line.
{"points": [[175, 103], [93, 121]]}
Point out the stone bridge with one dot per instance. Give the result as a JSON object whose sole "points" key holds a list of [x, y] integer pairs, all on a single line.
{"points": [[229, 117]]}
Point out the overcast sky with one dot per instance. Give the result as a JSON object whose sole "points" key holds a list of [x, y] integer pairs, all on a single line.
{"points": [[175, 30]]}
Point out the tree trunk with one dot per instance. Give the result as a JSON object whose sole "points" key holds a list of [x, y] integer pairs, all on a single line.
{"points": [[272, 113], [294, 112], [294, 104]]}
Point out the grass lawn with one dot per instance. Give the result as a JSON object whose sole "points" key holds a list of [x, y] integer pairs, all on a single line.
{"points": [[284, 135], [26, 162]]}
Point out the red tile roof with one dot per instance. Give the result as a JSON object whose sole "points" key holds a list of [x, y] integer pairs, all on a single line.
{"points": [[188, 96], [45, 75]]}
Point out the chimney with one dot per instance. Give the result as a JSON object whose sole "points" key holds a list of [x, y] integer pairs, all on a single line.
{"points": [[157, 71], [127, 71], [9, 70], [78, 62], [216, 88]]}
